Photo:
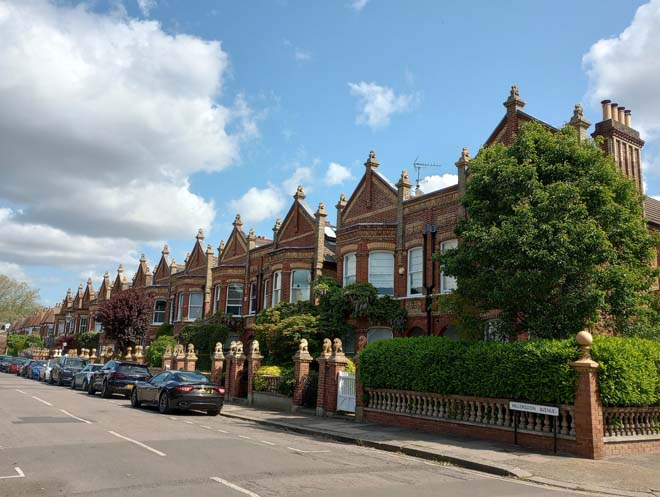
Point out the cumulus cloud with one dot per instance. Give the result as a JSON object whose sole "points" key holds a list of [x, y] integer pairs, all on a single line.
{"points": [[104, 118], [437, 182], [13, 271], [259, 204], [336, 174], [377, 103], [358, 5], [301, 176], [146, 6], [626, 69]]}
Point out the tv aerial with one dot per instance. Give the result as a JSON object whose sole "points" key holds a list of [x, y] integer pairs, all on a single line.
{"points": [[419, 166]]}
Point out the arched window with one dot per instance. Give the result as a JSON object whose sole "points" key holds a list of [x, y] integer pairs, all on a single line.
{"points": [[375, 334], [415, 267], [349, 269], [381, 272]]}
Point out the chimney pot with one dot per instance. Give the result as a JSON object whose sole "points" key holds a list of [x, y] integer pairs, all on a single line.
{"points": [[615, 113], [607, 110], [628, 118], [622, 114]]}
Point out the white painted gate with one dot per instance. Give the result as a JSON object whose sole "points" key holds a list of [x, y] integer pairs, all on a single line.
{"points": [[346, 392]]}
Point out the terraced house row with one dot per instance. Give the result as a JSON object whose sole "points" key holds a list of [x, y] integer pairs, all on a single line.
{"points": [[385, 233]]}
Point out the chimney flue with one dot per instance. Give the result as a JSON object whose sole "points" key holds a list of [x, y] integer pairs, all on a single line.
{"points": [[622, 115], [628, 118], [607, 110], [615, 113]]}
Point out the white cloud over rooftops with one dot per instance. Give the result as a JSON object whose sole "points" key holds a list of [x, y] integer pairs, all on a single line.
{"points": [[376, 104]]}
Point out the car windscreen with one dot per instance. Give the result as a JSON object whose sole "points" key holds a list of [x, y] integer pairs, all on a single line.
{"points": [[191, 378], [133, 369], [75, 363], [95, 367]]}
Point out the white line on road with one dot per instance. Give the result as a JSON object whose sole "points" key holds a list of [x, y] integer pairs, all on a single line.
{"points": [[172, 417], [42, 401], [235, 487], [189, 422], [20, 391], [308, 451], [243, 436], [222, 431], [19, 475], [144, 446], [207, 427], [75, 417], [266, 442]]}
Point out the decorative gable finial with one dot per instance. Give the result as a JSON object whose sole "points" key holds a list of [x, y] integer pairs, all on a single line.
{"points": [[166, 250], [80, 287], [89, 281], [278, 225], [187, 257], [238, 224], [200, 235], [143, 258], [68, 293], [321, 210], [221, 247], [300, 193], [120, 269], [372, 161], [251, 233], [465, 157], [209, 250], [514, 101], [578, 112]]}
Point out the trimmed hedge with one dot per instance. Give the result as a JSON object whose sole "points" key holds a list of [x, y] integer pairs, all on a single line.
{"points": [[534, 371]]}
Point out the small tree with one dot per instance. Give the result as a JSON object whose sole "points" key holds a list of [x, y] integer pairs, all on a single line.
{"points": [[157, 349], [17, 300], [126, 317]]}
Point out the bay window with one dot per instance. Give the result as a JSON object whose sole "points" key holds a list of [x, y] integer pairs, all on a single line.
{"points": [[253, 298], [300, 285], [234, 299], [179, 309], [216, 298], [277, 287], [349, 269], [381, 272], [159, 311], [195, 305], [266, 294]]}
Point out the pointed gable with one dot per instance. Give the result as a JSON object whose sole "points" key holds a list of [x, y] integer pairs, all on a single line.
{"points": [[78, 300], [236, 249], [197, 259], [162, 272], [121, 283], [142, 277], [89, 294], [105, 291], [373, 200], [298, 226]]}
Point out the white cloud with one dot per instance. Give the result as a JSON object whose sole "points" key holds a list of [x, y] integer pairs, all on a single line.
{"points": [[626, 69], [13, 271], [302, 55], [437, 181], [301, 176], [146, 6], [358, 5], [259, 204], [337, 174], [104, 120], [377, 103]]}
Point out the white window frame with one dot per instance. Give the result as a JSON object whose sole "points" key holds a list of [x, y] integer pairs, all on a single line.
{"points": [[235, 302], [179, 309], [98, 327], [350, 263], [191, 316], [447, 283], [163, 312], [254, 298], [267, 294], [216, 298], [415, 272], [373, 274], [305, 291], [83, 319], [277, 287]]}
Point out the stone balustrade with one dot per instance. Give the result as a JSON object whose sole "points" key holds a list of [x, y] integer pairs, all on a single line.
{"points": [[483, 411], [631, 421]]}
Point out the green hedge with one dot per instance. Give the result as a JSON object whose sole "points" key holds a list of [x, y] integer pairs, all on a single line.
{"points": [[534, 371]]}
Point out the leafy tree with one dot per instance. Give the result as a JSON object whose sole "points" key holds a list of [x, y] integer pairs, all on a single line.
{"points": [[18, 343], [157, 349], [88, 340], [126, 317], [554, 239], [165, 329], [17, 300], [205, 333]]}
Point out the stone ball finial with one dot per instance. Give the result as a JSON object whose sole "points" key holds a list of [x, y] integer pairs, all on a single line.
{"points": [[584, 338]]}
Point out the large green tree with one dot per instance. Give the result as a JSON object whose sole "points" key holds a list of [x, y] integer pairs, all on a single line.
{"points": [[554, 239], [17, 300]]}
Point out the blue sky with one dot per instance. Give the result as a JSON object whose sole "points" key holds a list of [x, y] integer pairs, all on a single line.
{"points": [[144, 120]]}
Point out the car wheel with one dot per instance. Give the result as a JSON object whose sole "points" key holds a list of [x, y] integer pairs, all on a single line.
{"points": [[90, 388], [50, 379], [73, 384], [105, 392], [213, 412], [164, 403], [134, 399]]}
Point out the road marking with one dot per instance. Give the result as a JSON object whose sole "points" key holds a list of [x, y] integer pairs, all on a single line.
{"points": [[19, 475], [42, 401], [308, 451], [172, 417], [222, 431], [144, 446], [243, 436], [235, 487], [21, 391], [189, 422], [75, 417], [266, 442]]}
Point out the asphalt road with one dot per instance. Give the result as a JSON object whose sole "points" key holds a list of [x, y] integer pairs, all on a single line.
{"points": [[55, 441]]}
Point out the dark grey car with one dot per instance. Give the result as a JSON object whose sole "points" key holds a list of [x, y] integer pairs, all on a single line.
{"points": [[64, 369], [81, 378]]}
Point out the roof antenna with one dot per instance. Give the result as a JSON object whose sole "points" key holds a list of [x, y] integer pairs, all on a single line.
{"points": [[418, 167]]}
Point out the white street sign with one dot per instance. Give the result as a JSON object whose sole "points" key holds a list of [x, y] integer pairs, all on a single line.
{"points": [[535, 408]]}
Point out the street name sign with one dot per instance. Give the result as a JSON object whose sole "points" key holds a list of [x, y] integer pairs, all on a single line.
{"points": [[535, 408]]}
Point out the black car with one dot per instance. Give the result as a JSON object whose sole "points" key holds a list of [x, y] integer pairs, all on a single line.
{"points": [[4, 363], [179, 390], [64, 369], [117, 377]]}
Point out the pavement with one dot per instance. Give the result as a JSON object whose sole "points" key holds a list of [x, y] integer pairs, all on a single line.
{"points": [[55, 442], [631, 476]]}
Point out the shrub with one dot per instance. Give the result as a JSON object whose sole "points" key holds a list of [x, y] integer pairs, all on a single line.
{"points": [[89, 340], [157, 349], [205, 333], [350, 366], [165, 329]]}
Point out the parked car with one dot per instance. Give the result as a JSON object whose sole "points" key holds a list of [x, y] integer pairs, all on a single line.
{"points": [[15, 364], [4, 363], [64, 369], [35, 369], [117, 377], [44, 374], [81, 378], [179, 390], [24, 371]]}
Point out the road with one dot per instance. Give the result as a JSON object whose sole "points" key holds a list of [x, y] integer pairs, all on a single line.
{"points": [[58, 442]]}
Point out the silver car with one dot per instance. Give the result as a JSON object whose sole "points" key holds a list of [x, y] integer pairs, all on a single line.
{"points": [[81, 378], [44, 374]]}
